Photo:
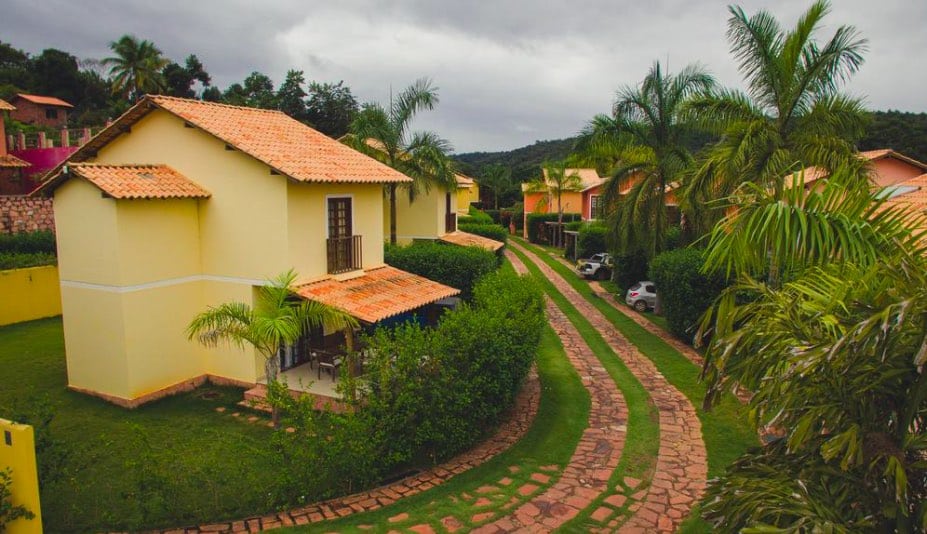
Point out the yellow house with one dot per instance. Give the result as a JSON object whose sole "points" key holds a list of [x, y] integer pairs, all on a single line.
{"points": [[468, 193], [183, 204]]}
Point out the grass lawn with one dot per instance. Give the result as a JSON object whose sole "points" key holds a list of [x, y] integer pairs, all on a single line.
{"points": [[725, 429], [559, 423], [168, 463]]}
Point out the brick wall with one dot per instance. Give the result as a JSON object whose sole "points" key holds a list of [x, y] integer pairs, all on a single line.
{"points": [[32, 113], [25, 214]]}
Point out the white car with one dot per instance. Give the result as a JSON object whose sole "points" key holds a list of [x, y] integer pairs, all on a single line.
{"points": [[642, 296], [598, 266]]}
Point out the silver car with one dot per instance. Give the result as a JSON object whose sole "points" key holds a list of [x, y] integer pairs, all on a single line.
{"points": [[642, 296]]}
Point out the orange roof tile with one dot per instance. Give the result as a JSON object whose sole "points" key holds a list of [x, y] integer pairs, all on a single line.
{"points": [[910, 193], [377, 294], [10, 161], [138, 181], [44, 100], [283, 143], [6, 106], [465, 239], [813, 174], [588, 177]]}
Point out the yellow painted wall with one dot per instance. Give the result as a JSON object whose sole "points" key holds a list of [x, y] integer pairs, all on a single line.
{"points": [[240, 225], [27, 294], [94, 340], [157, 240], [17, 452], [422, 219], [85, 226], [467, 196], [307, 224]]}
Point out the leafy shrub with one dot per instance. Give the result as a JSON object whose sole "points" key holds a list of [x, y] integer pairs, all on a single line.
{"points": [[42, 241], [536, 226], [591, 240], [10, 512], [492, 231], [458, 267], [495, 215], [629, 269], [475, 216], [685, 292], [573, 226], [437, 392], [16, 260]]}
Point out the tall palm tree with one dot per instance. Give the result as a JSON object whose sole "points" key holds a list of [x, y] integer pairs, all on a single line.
{"points": [[383, 133], [136, 67], [834, 354], [791, 115], [646, 133], [498, 179], [277, 319]]}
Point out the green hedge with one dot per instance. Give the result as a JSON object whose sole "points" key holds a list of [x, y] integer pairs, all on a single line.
{"points": [[29, 242], [629, 269], [495, 215], [685, 293], [591, 240], [492, 231], [535, 222], [458, 267], [15, 260]]}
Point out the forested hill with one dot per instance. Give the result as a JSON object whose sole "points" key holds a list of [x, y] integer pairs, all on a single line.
{"points": [[904, 132]]}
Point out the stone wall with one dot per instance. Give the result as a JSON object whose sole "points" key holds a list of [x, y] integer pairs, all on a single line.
{"points": [[25, 214]]}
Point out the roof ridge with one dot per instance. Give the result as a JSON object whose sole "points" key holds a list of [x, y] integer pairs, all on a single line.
{"points": [[215, 104]]}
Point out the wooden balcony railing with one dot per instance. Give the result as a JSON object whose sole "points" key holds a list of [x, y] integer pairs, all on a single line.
{"points": [[450, 222], [344, 254]]}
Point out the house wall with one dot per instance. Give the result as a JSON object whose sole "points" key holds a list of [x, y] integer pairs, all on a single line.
{"points": [[307, 224], [467, 196], [587, 202], [890, 171], [32, 113], [422, 219]]}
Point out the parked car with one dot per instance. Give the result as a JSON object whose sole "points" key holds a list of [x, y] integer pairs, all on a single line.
{"points": [[642, 296], [598, 266]]}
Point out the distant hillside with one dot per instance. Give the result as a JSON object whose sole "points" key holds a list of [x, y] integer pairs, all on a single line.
{"points": [[525, 161], [901, 131]]}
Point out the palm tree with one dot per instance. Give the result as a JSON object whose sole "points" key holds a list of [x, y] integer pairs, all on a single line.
{"points": [[277, 319], [645, 132], [556, 180], [136, 67], [383, 133], [792, 114], [498, 179], [833, 351]]}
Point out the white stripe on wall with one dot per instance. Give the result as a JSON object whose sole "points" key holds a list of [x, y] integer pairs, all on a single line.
{"points": [[162, 283]]}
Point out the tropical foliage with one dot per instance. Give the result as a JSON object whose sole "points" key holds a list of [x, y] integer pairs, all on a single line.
{"points": [[458, 267], [645, 132], [833, 348], [384, 134], [135, 67], [792, 113], [498, 180], [277, 319]]}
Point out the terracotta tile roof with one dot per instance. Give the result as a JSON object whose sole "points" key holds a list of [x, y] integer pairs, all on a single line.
{"points": [[813, 174], [6, 106], [589, 177], [910, 193], [377, 294], [44, 100], [284, 144], [471, 240], [10, 161], [138, 181]]}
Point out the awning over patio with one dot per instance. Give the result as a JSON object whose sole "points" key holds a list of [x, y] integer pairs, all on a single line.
{"points": [[378, 293], [471, 240]]}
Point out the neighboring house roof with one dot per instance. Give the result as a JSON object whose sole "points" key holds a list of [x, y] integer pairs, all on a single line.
{"points": [[6, 106], [589, 178], [911, 194], [465, 239], [138, 181], [813, 174], [377, 294], [44, 100], [464, 182], [286, 145], [8, 161]]}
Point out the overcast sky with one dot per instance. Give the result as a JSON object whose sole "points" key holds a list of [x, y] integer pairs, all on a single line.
{"points": [[509, 72]]}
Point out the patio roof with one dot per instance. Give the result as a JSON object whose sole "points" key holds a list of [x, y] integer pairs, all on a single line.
{"points": [[465, 239], [377, 294]]}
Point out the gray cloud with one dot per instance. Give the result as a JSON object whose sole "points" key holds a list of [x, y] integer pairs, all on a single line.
{"points": [[510, 72]]}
